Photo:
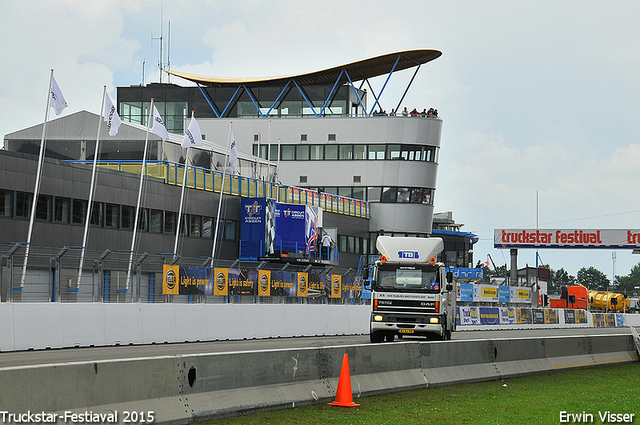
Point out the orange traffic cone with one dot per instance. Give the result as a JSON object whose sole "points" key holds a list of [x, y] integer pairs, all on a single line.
{"points": [[344, 398]]}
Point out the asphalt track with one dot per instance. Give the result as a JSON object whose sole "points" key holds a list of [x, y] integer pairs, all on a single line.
{"points": [[84, 354]]}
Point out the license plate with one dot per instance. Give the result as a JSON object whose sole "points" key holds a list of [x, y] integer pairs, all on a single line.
{"points": [[405, 331]]}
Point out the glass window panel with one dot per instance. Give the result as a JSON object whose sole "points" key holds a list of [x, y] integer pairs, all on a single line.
{"points": [[352, 244], [302, 152], [343, 243], [373, 194], [358, 247], [6, 202], [230, 230], [97, 214], [196, 225], [359, 151], [316, 152], [23, 204], [436, 155], [273, 152], [112, 216], [376, 151], [43, 207], [393, 152], [359, 193], [346, 151], [207, 227], [288, 152], [331, 152], [389, 194], [155, 221], [79, 211], [170, 222], [331, 190], [184, 224], [143, 220], [344, 191], [127, 217], [404, 194]]}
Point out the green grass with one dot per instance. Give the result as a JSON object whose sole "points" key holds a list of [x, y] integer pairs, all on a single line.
{"points": [[535, 399]]}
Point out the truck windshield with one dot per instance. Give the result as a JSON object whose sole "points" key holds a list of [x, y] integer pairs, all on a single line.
{"points": [[407, 280]]}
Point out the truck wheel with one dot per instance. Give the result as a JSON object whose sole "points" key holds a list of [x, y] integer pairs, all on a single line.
{"points": [[376, 337], [389, 337]]}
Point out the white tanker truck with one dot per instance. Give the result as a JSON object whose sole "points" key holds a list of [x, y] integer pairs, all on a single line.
{"points": [[411, 293]]}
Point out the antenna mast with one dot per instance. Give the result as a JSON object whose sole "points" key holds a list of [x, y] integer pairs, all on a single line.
{"points": [[160, 65], [169, 52]]}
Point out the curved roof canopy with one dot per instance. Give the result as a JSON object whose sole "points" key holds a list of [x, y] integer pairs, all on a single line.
{"points": [[361, 70]]}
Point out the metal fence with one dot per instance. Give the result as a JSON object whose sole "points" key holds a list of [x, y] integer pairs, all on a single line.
{"points": [[52, 276]]}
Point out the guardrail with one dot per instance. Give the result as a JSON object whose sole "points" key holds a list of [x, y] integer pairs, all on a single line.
{"points": [[211, 180]]}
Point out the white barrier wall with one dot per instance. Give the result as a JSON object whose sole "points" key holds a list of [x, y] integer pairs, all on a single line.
{"points": [[26, 326]]}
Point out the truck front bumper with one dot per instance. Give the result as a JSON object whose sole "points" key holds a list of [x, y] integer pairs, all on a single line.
{"points": [[407, 324]]}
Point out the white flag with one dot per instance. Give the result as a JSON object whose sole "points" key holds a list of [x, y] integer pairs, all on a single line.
{"points": [[57, 101], [233, 155], [158, 125], [111, 117], [192, 137]]}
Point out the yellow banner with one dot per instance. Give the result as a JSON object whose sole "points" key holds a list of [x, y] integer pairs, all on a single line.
{"points": [[489, 292], [221, 276], [336, 286], [303, 284], [264, 283], [170, 276], [523, 293]]}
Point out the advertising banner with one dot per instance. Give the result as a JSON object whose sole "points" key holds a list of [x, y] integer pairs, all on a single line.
{"points": [[465, 291], [242, 282], [504, 294], [567, 238], [489, 316], [284, 284], [290, 227], [466, 273], [220, 287], [170, 282], [551, 316], [252, 227], [520, 295], [507, 315], [303, 279], [194, 280], [336, 286], [489, 293], [351, 287], [523, 316], [264, 283], [569, 316]]}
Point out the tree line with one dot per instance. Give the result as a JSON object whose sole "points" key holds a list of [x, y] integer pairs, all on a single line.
{"points": [[589, 277]]}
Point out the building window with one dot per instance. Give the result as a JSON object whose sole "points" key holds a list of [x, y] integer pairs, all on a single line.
{"points": [[303, 179], [376, 152], [23, 204], [196, 226], [393, 152], [97, 214], [302, 152], [389, 194], [303, 137], [359, 193], [230, 230], [331, 138], [155, 221], [359, 151], [127, 217], [273, 152], [346, 152], [143, 220], [404, 195], [170, 222], [79, 211], [357, 179], [331, 152], [6, 202], [112, 216], [288, 152], [43, 207], [256, 137], [207, 227], [316, 152]]}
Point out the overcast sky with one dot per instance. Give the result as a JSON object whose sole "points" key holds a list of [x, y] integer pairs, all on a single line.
{"points": [[537, 97]]}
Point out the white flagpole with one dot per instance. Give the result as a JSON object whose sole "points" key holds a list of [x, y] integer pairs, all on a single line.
{"points": [[144, 170], [36, 190], [215, 235], [184, 181], [93, 177]]}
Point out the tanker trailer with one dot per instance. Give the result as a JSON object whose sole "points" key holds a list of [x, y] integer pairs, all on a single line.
{"points": [[609, 301]]}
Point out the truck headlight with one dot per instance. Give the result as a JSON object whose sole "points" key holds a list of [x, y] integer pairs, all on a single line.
{"points": [[433, 320], [377, 318]]}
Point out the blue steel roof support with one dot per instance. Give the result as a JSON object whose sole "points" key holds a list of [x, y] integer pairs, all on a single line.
{"points": [[385, 83], [230, 101], [255, 102], [407, 89], [331, 94], [206, 97], [356, 92], [275, 102], [306, 98]]}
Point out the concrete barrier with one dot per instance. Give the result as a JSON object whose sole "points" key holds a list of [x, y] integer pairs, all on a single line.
{"points": [[183, 389]]}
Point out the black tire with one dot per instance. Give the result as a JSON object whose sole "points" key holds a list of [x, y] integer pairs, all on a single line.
{"points": [[376, 337]]}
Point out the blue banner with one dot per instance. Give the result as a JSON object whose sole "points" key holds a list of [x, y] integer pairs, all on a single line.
{"points": [[504, 294], [489, 316], [466, 292], [466, 273]]}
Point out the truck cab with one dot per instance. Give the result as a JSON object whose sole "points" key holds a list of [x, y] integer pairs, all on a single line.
{"points": [[411, 293]]}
